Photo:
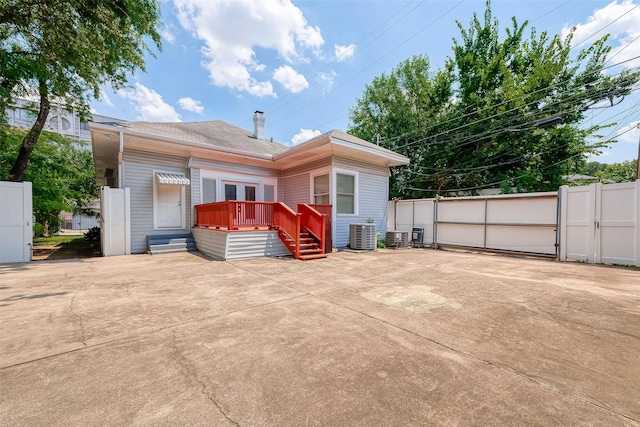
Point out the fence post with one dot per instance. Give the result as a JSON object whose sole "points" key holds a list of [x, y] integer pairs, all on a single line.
{"points": [[435, 223], [484, 244]]}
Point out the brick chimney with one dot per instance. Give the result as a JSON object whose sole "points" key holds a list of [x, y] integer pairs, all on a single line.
{"points": [[258, 125]]}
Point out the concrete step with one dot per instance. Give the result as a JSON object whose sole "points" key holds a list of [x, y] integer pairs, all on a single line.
{"points": [[167, 243]]}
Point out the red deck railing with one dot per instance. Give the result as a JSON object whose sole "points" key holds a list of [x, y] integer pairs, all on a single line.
{"points": [[289, 223], [314, 222], [326, 210], [235, 215]]}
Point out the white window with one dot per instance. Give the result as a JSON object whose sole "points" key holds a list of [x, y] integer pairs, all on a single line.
{"points": [[346, 197], [321, 190]]}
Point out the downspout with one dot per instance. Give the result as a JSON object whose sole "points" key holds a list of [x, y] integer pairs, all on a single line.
{"points": [[121, 148]]}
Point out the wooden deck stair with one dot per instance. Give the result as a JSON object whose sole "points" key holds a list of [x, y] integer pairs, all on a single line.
{"points": [[309, 246]]}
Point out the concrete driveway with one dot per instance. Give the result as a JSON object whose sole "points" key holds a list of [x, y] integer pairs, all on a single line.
{"points": [[406, 337]]}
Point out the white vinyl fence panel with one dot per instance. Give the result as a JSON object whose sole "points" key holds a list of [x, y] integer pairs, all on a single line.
{"points": [[115, 221], [620, 223], [601, 223], [520, 222], [16, 216]]}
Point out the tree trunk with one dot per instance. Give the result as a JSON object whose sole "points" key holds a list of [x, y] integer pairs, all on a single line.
{"points": [[31, 138]]}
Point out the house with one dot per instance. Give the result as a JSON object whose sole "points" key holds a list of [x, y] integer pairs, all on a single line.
{"points": [[171, 169]]}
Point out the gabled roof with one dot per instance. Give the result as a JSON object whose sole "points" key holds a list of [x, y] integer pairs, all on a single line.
{"points": [[346, 145], [223, 141], [215, 133]]}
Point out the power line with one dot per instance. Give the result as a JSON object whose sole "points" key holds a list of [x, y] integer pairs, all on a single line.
{"points": [[486, 109], [519, 176], [293, 96], [375, 62]]}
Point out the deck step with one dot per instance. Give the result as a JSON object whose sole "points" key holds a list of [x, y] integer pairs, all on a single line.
{"points": [[168, 243], [312, 256]]}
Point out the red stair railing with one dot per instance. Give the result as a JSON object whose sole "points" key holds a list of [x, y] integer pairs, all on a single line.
{"points": [[289, 223], [314, 222]]}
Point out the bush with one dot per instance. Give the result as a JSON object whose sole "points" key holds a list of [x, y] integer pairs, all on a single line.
{"points": [[38, 229], [92, 234]]}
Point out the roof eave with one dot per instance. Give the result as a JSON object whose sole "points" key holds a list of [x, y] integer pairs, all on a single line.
{"points": [[199, 145]]}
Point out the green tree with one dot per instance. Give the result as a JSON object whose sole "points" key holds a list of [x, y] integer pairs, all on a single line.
{"points": [[619, 172], [67, 51], [476, 125], [62, 173], [592, 168]]}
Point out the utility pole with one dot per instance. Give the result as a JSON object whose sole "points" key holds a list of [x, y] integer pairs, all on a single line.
{"points": [[638, 162]]}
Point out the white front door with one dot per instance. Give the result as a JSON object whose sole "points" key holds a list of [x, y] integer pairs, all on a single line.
{"points": [[169, 206]]}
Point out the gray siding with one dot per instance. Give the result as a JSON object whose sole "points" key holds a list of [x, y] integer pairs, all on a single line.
{"points": [[221, 245], [255, 244], [297, 190], [316, 164], [211, 243], [373, 194], [357, 165], [233, 167], [139, 167], [280, 196]]}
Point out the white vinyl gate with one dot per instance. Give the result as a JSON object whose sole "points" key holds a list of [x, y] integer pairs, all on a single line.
{"points": [[515, 223], [16, 216], [115, 223], [601, 223]]}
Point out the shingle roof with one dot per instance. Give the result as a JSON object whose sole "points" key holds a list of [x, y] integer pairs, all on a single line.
{"points": [[215, 133]]}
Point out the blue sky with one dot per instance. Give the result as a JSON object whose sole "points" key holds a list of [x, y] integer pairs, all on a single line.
{"points": [[305, 62]]}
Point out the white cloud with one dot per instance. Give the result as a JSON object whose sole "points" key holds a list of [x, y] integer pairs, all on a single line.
{"points": [[167, 33], [327, 81], [304, 135], [289, 78], [149, 104], [191, 104], [104, 98], [344, 52], [623, 32], [631, 133], [231, 31]]}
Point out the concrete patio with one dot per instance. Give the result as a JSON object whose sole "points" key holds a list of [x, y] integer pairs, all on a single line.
{"points": [[406, 337]]}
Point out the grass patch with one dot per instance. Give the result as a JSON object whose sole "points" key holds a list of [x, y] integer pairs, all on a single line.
{"points": [[57, 240]]}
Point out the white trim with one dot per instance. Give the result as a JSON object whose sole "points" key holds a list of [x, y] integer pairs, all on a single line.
{"points": [[172, 178], [223, 177], [356, 198], [155, 203], [319, 172]]}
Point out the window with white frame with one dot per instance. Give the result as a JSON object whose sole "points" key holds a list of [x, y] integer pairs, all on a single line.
{"points": [[321, 190], [345, 193]]}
